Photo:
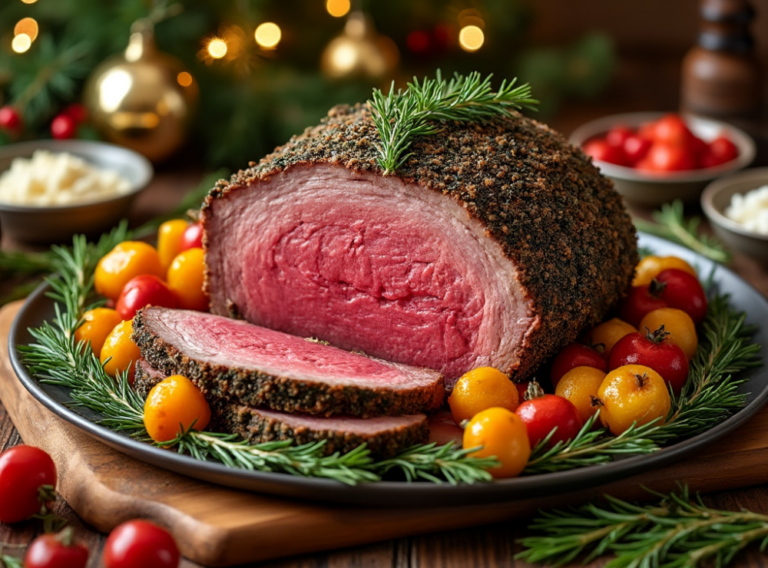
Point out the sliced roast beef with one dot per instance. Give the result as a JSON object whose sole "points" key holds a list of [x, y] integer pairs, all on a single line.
{"points": [[494, 244], [384, 436], [261, 367]]}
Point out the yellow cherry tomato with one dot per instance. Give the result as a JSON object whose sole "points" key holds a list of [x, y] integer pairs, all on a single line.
{"points": [[502, 434], [124, 262], [481, 389], [121, 351], [97, 324], [633, 394], [172, 404], [186, 276], [580, 386], [608, 333], [169, 240], [650, 267], [679, 325]]}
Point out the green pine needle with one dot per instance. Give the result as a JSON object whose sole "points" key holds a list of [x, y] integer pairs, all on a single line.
{"points": [[402, 116]]}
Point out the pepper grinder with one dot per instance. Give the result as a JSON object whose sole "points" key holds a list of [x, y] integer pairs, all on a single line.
{"points": [[721, 75]]}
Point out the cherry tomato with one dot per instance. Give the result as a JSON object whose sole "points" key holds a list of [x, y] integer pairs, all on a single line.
{"points": [[142, 291], [632, 394], [543, 414], [172, 404], [186, 276], [671, 129], [502, 434], [76, 112], [10, 119], [26, 473], [647, 131], [580, 386], [680, 290], [140, 544], [120, 352], [599, 149], [169, 241], [679, 325], [63, 127], [723, 150], [97, 324], [650, 267], [652, 350], [522, 388], [618, 135], [664, 157], [481, 389], [576, 355], [56, 551], [708, 160], [638, 302], [608, 333], [636, 148], [698, 147], [192, 237], [124, 262]]}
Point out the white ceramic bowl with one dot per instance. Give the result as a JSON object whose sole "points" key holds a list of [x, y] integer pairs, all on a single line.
{"points": [[646, 188], [58, 223]]}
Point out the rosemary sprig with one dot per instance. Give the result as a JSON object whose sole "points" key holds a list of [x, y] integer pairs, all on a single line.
{"points": [[679, 531], [11, 561], [671, 225], [401, 116], [450, 461]]}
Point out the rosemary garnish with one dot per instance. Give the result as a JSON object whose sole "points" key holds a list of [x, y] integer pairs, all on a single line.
{"points": [[402, 116], [678, 531]]}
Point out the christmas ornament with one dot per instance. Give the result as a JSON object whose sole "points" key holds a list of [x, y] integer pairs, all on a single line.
{"points": [[142, 99], [359, 51]]}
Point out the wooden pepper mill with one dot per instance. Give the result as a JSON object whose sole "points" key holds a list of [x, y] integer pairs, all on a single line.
{"points": [[721, 75]]}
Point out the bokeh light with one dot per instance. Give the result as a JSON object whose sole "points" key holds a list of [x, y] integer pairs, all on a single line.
{"points": [[217, 48], [29, 1], [338, 8], [184, 79], [471, 38], [26, 26], [268, 35], [21, 43]]}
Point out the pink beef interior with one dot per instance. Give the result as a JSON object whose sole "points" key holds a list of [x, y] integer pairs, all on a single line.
{"points": [[367, 426], [370, 263], [231, 343]]}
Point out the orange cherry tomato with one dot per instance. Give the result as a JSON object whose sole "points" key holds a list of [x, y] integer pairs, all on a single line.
{"points": [[679, 326], [481, 389], [580, 386], [186, 276], [633, 394], [119, 351], [172, 404], [97, 324], [608, 333], [124, 262], [651, 266], [169, 241], [502, 434]]}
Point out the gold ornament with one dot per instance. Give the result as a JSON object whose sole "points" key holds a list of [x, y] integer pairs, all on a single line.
{"points": [[142, 99], [359, 51]]}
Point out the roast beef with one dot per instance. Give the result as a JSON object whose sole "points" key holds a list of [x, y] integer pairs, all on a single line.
{"points": [[261, 367], [384, 436], [494, 244]]}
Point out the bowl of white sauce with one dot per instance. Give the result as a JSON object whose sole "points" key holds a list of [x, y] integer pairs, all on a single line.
{"points": [[53, 189], [737, 208]]}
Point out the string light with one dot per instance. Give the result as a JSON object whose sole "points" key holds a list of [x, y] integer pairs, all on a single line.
{"points": [[217, 48], [184, 79], [268, 35], [338, 8], [471, 38], [27, 26], [21, 43]]}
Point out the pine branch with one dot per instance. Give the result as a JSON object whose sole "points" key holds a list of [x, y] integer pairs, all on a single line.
{"points": [[402, 116], [679, 531]]}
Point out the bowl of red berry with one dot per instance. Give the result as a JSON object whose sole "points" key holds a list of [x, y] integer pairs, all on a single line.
{"points": [[654, 158]]}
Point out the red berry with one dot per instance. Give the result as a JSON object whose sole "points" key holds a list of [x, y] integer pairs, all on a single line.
{"points": [[10, 119], [545, 413], [651, 349], [639, 302], [56, 551], [618, 135], [636, 148], [76, 112], [140, 544], [723, 150], [681, 290], [63, 127], [576, 355], [24, 470], [599, 149], [192, 237]]}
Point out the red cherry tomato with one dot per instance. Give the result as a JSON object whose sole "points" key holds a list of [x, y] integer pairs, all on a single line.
{"points": [[651, 349], [543, 414], [140, 544], [638, 303], [10, 119], [671, 129], [63, 127], [76, 112], [723, 149], [142, 291], [56, 551], [682, 291], [192, 237], [618, 135], [698, 147], [522, 388], [647, 131], [24, 470], [599, 149], [576, 355], [707, 160], [663, 157], [636, 148]]}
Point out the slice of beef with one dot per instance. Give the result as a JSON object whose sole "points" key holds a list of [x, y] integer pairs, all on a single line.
{"points": [[493, 244], [261, 367], [384, 436]]}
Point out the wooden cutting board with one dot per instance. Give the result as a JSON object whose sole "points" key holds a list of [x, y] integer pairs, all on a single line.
{"points": [[221, 527]]}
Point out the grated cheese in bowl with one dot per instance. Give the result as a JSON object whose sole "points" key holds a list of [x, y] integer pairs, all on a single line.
{"points": [[750, 210], [52, 179]]}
